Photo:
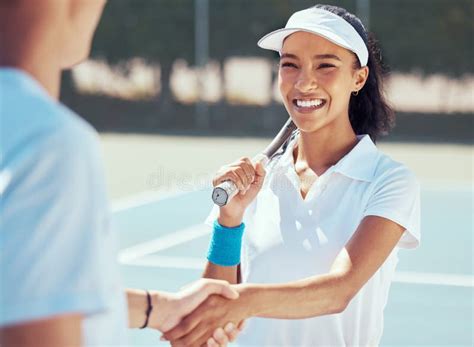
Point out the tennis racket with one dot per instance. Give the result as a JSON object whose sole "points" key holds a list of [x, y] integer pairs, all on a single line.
{"points": [[224, 192]]}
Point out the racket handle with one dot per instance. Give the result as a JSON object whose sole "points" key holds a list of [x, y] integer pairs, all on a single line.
{"points": [[225, 191]]}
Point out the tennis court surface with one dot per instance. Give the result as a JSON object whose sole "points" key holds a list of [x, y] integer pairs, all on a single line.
{"points": [[163, 245]]}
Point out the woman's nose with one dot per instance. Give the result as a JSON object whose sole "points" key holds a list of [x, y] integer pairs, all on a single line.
{"points": [[306, 81]]}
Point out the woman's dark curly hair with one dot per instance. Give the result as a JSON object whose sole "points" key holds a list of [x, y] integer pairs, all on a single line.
{"points": [[369, 113]]}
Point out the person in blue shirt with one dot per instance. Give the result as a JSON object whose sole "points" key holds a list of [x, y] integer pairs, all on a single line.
{"points": [[60, 283]]}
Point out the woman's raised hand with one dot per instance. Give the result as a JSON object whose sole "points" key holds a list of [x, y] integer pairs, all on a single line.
{"points": [[248, 177]]}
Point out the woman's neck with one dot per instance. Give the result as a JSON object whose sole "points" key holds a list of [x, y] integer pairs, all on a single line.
{"points": [[321, 149]]}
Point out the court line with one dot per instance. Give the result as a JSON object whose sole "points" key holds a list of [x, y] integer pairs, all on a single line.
{"points": [[187, 263], [143, 254], [191, 263], [445, 186], [164, 242], [146, 198], [440, 279]]}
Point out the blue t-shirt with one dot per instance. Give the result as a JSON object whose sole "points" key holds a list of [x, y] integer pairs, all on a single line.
{"points": [[57, 250]]}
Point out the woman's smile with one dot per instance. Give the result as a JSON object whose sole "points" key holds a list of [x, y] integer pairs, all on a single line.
{"points": [[308, 105]]}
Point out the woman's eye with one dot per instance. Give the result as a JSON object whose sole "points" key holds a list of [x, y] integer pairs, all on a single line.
{"points": [[325, 66], [288, 65]]}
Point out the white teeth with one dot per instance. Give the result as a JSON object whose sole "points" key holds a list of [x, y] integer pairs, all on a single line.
{"points": [[309, 103]]}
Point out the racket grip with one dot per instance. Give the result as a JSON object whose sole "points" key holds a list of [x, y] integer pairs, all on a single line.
{"points": [[224, 192]]}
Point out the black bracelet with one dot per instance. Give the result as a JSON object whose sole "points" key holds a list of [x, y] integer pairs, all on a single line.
{"points": [[148, 310]]}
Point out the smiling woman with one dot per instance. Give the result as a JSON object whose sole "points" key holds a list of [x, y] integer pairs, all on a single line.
{"points": [[316, 79], [334, 69], [320, 232]]}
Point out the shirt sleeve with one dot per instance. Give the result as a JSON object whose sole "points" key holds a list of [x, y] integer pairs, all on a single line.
{"points": [[396, 196], [52, 231], [212, 216]]}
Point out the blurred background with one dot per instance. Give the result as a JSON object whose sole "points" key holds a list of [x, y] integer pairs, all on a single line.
{"points": [[178, 88], [191, 68]]}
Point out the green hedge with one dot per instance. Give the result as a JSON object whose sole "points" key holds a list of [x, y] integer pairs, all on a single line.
{"points": [[427, 36]]}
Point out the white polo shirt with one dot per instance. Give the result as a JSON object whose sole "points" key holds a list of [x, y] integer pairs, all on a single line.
{"points": [[288, 238], [57, 249]]}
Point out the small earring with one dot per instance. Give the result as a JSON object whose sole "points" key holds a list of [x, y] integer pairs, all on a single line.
{"points": [[355, 93]]}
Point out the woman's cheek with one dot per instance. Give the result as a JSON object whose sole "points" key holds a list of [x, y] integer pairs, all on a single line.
{"points": [[327, 78], [286, 81]]}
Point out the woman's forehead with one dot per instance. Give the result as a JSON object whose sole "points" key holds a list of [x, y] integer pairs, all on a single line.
{"points": [[302, 42]]}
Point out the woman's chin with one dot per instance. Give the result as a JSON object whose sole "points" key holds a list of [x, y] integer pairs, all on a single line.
{"points": [[307, 124]]}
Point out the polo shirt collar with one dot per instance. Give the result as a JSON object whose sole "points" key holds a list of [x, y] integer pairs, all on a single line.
{"points": [[361, 161], [358, 164]]}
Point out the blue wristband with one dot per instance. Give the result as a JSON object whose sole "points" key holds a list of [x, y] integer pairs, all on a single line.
{"points": [[224, 249]]}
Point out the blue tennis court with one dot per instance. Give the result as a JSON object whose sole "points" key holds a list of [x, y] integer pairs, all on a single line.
{"points": [[163, 244]]}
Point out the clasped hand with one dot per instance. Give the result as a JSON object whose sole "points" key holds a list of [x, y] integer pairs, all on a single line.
{"points": [[215, 322]]}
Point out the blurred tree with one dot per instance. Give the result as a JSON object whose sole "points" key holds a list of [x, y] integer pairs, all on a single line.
{"points": [[237, 25], [158, 31], [426, 36], [430, 36]]}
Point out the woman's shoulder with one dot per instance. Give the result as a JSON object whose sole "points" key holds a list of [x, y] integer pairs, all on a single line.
{"points": [[388, 170]]}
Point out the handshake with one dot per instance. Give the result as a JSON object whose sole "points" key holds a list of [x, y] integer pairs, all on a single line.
{"points": [[206, 313]]}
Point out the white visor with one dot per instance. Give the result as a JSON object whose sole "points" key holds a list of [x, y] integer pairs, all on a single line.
{"points": [[323, 23]]}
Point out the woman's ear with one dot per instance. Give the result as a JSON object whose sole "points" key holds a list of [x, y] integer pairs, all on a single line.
{"points": [[361, 76]]}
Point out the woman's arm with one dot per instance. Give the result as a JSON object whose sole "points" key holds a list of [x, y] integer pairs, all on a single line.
{"points": [[230, 274], [249, 180], [365, 252], [362, 256], [226, 273]]}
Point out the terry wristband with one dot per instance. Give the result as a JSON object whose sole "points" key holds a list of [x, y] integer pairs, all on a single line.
{"points": [[224, 249]]}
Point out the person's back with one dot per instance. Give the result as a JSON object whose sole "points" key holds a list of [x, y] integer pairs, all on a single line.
{"points": [[59, 283], [57, 250], [57, 254]]}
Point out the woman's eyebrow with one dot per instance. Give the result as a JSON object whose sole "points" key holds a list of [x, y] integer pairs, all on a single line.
{"points": [[318, 56], [327, 56], [288, 55]]}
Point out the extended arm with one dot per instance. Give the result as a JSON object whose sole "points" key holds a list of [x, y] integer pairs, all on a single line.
{"points": [[362, 256], [364, 253]]}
